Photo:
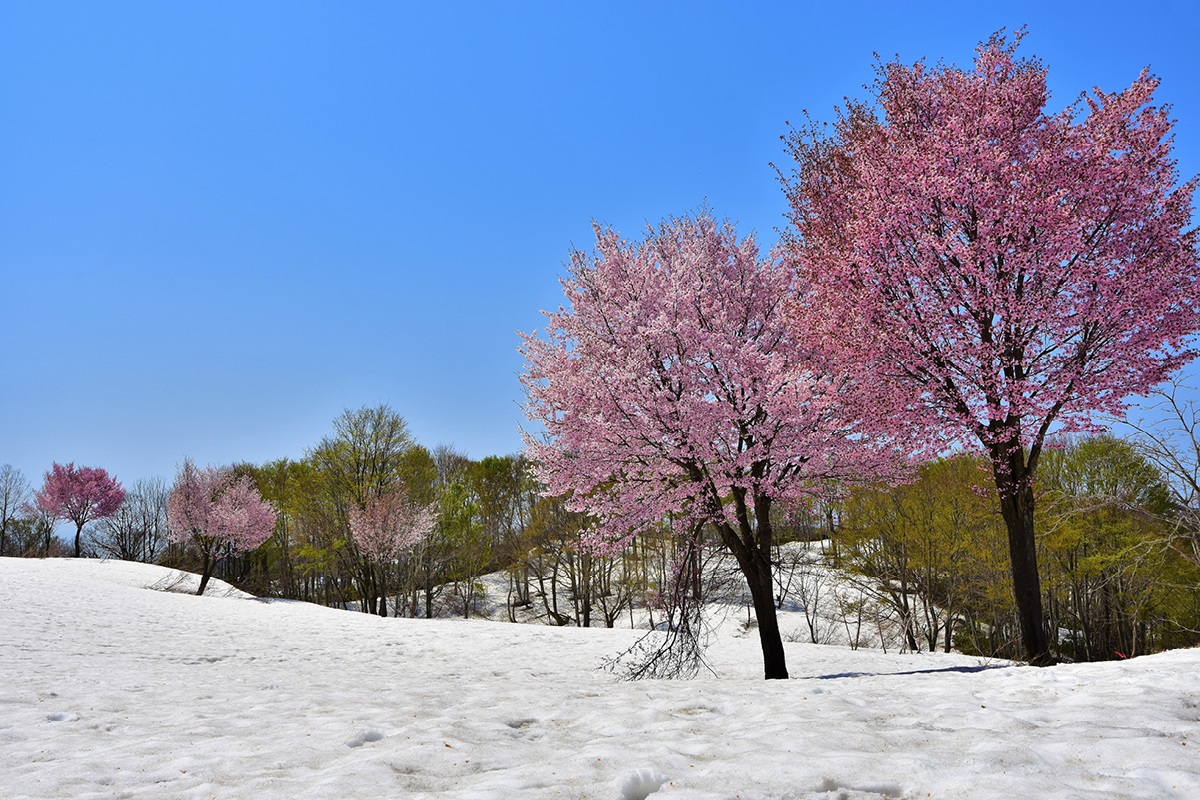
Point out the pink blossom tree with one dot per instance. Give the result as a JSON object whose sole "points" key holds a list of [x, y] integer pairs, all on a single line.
{"points": [[675, 387], [1017, 270], [385, 526], [218, 511], [80, 494]]}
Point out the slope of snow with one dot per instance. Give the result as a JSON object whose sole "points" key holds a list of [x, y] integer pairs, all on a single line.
{"points": [[109, 689]]}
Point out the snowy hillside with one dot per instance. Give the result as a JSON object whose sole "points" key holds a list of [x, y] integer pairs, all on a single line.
{"points": [[111, 689]]}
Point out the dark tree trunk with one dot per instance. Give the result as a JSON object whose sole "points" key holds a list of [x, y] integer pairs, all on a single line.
{"points": [[78, 535], [585, 566], [205, 573], [762, 592], [383, 591], [752, 549], [1016, 505]]}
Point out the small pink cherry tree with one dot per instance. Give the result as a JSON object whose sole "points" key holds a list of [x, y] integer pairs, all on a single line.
{"points": [[219, 512], [80, 494], [675, 387], [1016, 270], [385, 526]]}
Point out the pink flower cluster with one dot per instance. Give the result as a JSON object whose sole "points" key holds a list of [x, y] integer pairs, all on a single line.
{"points": [[218, 510], [1019, 269], [389, 524], [677, 381], [79, 494]]}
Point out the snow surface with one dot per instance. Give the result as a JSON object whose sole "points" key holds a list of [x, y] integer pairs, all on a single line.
{"points": [[110, 689]]}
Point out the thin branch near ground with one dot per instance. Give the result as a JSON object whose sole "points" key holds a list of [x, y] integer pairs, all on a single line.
{"points": [[678, 651]]}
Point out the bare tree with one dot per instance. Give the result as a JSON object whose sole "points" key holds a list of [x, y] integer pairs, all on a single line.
{"points": [[807, 579], [1167, 433], [138, 531], [14, 493], [31, 534]]}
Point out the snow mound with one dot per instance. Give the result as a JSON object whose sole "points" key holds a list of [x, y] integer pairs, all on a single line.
{"points": [[641, 784], [131, 574]]}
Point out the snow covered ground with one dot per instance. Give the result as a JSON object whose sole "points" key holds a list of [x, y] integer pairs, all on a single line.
{"points": [[111, 689]]}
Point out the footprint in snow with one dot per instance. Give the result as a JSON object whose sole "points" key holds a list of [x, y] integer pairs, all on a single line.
{"points": [[63, 716], [364, 737], [843, 791], [517, 724]]}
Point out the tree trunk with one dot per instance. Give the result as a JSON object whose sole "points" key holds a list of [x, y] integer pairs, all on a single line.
{"points": [[78, 535], [205, 573], [753, 556], [585, 567], [512, 611], [383, 590], [761, 590], [1016, 505]]}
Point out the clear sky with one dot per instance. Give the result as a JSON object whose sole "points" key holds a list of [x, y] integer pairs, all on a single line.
{"points": [[221, 223]]}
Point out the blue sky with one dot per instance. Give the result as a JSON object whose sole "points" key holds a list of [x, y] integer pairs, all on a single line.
{"points": [[221, 223]]}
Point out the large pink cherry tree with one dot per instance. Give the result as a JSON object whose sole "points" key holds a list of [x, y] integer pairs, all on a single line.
{"points": [[384, 527], [80, 494], [1019, 270], [218, 511], [675, 387]]}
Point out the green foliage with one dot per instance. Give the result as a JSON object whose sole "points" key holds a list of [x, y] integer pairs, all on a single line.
{"points": [[1112, 588], [937, 548]]}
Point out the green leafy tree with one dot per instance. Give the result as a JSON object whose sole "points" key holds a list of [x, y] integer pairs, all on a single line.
{"points": [[1110, 585], [934, 546]]}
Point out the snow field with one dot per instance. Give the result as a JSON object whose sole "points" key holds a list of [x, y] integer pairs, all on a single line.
{"points": [[110, 690]]}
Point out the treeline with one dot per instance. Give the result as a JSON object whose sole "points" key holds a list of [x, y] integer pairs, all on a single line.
{"points": [[489, 517], [929, 555]]}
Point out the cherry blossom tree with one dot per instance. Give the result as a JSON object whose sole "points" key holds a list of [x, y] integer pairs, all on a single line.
{"points": [[674, 387], [218, 511], [1019, 270], [79, 494], [385, 526]]}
